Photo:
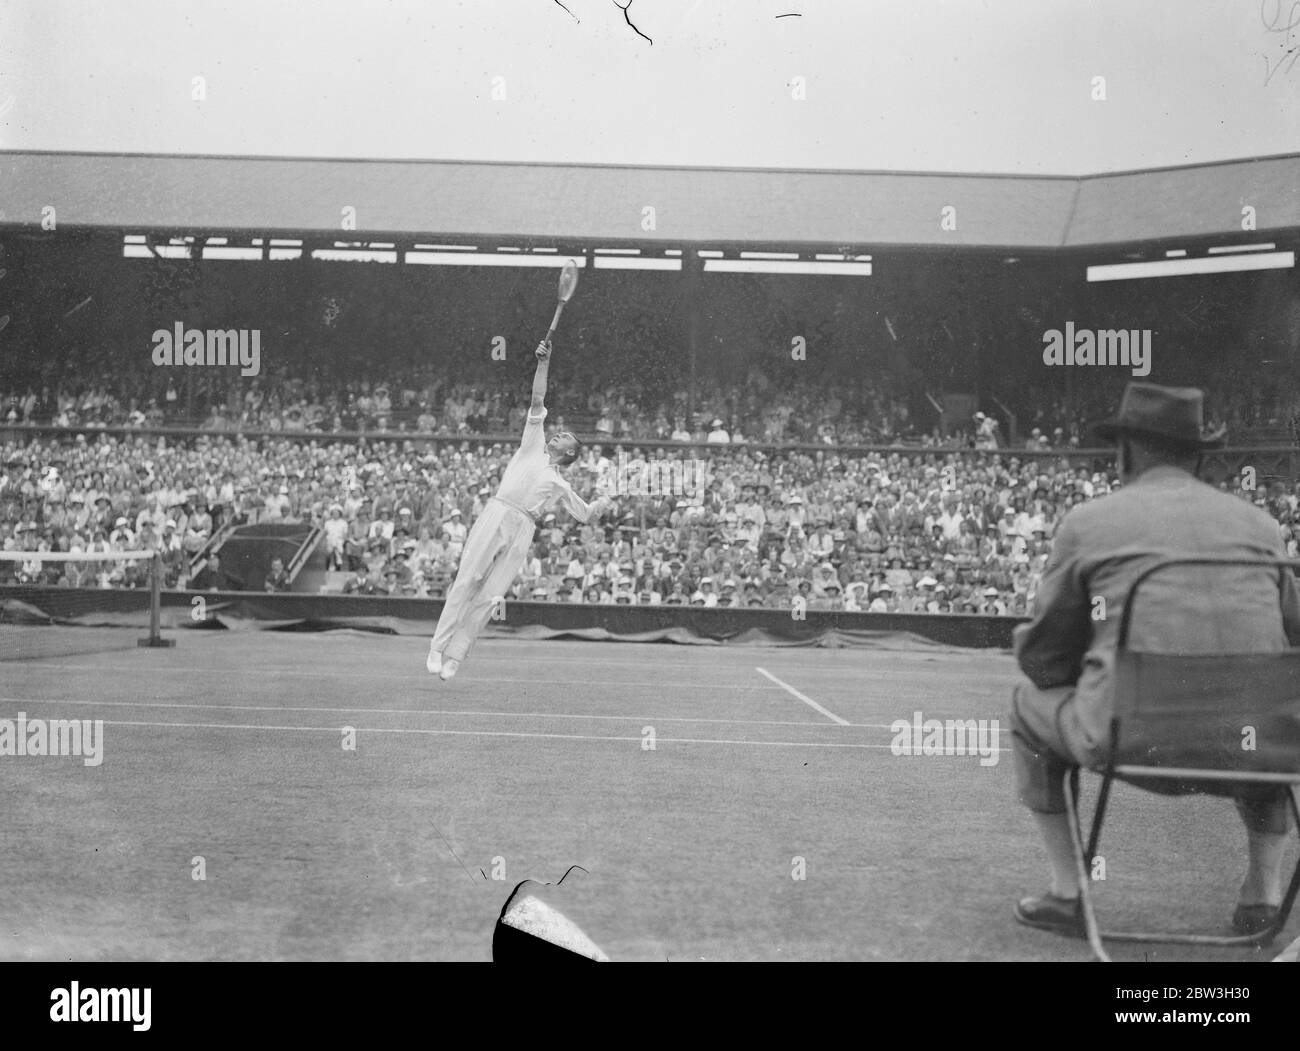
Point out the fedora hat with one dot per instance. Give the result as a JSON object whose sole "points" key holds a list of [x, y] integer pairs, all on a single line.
{"points": [[1171, 414]]}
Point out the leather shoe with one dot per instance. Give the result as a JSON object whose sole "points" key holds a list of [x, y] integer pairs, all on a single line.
{"points": [[1050, 913]]}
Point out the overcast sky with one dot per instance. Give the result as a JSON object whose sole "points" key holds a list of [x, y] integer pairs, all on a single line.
{"points": [[955, 85]]}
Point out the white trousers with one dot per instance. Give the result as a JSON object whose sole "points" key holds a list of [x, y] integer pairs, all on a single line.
{"points": [[493, 555]]}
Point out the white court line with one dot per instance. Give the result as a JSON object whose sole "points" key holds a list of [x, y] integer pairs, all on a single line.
{"points": [[414, 711], [416, 672], [806, 700], [499, 733]]}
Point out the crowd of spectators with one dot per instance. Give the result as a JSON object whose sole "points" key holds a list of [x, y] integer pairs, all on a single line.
{"points": [[918, 531], [421, 401]]}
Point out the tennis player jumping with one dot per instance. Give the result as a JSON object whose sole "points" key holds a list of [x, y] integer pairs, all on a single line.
{"points": [[495, 548]]}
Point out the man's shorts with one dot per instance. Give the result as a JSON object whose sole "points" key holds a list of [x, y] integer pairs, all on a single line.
{"points": [[1048, 740]]}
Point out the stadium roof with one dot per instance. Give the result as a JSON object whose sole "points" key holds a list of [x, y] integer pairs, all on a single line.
{"points": [[137, 192]]}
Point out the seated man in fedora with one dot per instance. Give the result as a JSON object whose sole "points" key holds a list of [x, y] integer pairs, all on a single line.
{"points": [[1061, 717]]}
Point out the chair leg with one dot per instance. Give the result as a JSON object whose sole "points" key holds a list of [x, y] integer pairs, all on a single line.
{"points": [[1082, 861], [1103, 798], [1288, 899]]}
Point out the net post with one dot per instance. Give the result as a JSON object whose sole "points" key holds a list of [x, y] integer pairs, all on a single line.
{"points": [[155, 639]]}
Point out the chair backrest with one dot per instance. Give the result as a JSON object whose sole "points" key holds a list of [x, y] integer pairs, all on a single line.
{"points": [[1236, 713]]}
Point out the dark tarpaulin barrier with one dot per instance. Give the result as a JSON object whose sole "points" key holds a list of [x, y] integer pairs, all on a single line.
{"points": [[244, 611], [30, 631]]}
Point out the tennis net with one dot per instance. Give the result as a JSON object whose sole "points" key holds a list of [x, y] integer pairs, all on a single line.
{"points": [[55, 604]]}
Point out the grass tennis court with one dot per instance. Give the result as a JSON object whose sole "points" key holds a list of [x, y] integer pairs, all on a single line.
{"points": [[229, 748]]}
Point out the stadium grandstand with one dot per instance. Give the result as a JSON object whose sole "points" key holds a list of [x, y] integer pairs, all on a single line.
{"points": [[856, 359]]}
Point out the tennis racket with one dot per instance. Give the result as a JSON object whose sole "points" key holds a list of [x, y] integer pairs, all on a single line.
{"points": [[568, 282]]}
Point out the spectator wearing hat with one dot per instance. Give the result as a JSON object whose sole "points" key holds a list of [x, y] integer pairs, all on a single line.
{"points": [[480, 502], [377, 558], [455, 532], [796, 515], [823, 575], [926, 599], [381, 526], [549, 532], [79, 514], [855, 595], [821, 543], [898, 576], [356, 546], [401, 564], [672, 573], [103, 516], [882, 600], [706, 589], [335, 529], [993, 606], [122, 538], [1061, 716], [748, 532], [362, 582]]}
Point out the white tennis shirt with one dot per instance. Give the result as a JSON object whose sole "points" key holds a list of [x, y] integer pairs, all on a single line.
{"points": [[532, 482]]}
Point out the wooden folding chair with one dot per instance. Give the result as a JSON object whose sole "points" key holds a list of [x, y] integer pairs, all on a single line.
{"points": [[1219, 724]]}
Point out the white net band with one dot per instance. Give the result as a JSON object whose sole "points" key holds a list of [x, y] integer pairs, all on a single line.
{"points": [[75, 556]]}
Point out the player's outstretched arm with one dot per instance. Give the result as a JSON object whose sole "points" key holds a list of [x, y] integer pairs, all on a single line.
{"points": [[543, 353], [587, 512]]}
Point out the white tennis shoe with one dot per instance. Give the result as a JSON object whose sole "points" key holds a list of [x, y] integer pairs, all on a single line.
{"points": [[449, 668], [434, 663]]}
